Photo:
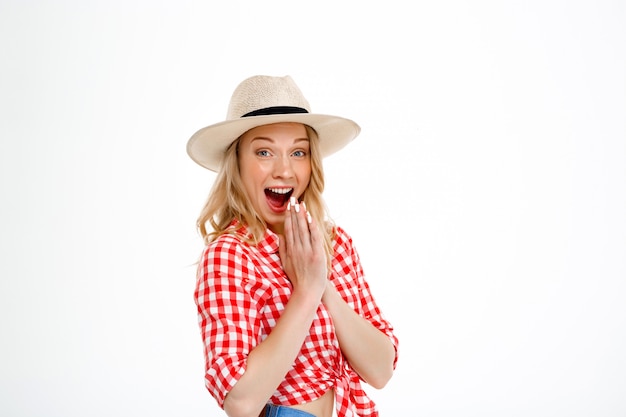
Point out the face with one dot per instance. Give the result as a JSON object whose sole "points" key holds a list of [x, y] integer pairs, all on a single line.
{"points": [[275, 164]]}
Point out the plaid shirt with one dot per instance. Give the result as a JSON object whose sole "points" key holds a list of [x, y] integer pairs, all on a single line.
{"points": [[241, 292]]}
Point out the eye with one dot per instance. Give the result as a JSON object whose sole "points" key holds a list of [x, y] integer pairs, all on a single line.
{"points": [[299, 154], [263, 153]]}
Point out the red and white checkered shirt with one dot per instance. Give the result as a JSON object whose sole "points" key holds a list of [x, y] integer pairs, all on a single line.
{"points": [[241, 292]]}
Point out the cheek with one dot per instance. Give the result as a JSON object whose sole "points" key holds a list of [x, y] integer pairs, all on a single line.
{"points": [[256, 172], [247, 168], [305, 173], [248, 173]]}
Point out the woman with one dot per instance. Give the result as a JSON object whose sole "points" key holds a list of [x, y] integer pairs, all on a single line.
{"points": [[289, 325]]}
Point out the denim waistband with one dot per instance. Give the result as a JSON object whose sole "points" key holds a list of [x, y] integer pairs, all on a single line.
{"points": [[272, 410]]}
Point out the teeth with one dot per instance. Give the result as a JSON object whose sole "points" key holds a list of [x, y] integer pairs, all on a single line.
{"points": [[280, 190]]}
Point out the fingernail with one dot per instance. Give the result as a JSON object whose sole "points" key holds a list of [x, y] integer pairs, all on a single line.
{"points": [[308, 218], [297, 206], [289, 206]]}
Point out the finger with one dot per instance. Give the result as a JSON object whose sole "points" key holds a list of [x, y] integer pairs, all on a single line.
{"points": [[288, 229], [312, 228], [303, 225], [316, 237], [309, 219], [296, 215]]}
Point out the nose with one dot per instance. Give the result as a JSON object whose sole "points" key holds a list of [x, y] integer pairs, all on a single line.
{"points": [[282, 167]]}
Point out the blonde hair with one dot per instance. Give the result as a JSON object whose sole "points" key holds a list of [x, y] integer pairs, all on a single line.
{"points": [[228, 200]]}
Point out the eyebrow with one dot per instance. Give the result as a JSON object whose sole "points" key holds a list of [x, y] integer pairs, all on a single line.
{"points": [[273, 141]]}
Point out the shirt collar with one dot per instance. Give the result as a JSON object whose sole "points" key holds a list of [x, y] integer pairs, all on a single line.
{"points": [[268, 243]]}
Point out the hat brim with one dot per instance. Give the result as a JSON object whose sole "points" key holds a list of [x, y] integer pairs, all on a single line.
{"points": [[208, 145]]}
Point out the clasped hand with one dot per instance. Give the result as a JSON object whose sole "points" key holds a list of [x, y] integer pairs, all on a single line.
{"points": [[302, 252]]}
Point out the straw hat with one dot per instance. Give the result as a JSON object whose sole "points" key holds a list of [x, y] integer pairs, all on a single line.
{"points": [[262, 100]]}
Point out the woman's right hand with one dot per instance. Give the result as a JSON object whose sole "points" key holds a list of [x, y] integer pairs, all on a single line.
{"points": [[301, 251]]}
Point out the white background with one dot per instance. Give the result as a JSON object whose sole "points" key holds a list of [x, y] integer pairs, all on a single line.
{"points": [[486, 194]]}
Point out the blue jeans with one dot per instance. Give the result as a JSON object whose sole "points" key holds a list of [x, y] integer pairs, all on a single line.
{"points": [[272, 410]]}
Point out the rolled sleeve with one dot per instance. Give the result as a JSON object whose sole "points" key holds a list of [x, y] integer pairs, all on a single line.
{"points": [[357, 291], [227, 315]]}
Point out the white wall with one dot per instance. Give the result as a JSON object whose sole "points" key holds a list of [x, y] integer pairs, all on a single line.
{"points": [[486, 194]]}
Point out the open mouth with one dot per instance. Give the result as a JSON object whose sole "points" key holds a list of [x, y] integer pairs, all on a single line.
{"points": [[277, 198]]}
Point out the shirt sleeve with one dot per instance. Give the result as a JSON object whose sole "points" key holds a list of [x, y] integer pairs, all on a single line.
{"points": [[356, 291], [227, 314]]}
